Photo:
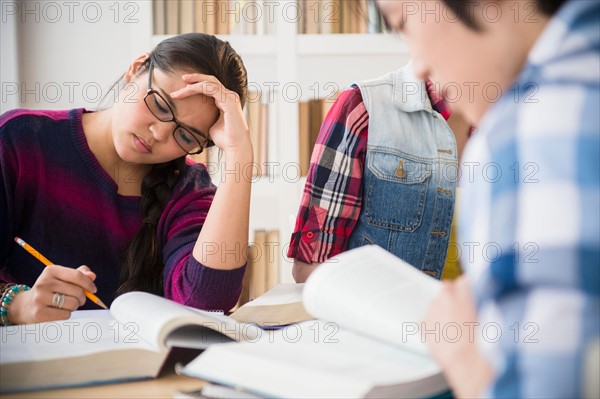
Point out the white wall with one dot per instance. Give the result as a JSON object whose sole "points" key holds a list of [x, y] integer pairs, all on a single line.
{"points": [[8, 56], [63, 54]]}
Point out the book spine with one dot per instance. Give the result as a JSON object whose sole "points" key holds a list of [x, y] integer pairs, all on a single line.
{"points": [[210, 14], [258, 278], [186, 16], [272, 247], [263, 137], [304, 137], [172, 14], [199, 18], [253, 117], [222, 20], [312, 13], [158, 8]]}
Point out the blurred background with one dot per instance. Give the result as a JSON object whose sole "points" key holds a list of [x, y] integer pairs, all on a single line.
{"points": [[299, 55]]}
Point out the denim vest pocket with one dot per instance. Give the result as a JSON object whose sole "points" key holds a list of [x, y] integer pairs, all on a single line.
{"points": [[396, 190]]}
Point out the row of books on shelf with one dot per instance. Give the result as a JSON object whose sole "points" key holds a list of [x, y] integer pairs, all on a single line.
{"points": [[216, 17], [257, 17], [262, 270], [339, 16]]}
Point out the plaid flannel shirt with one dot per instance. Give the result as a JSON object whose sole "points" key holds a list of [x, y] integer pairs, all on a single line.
{"points": [[529, 215]]}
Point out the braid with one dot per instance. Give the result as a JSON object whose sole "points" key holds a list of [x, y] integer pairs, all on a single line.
{"points": [[143, 265]]}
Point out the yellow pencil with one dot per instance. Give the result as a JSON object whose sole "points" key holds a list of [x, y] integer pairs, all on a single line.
{"points": [[46, 262]]}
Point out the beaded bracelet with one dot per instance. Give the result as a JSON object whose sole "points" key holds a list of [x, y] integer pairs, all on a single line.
{"points": [[7, 296]]}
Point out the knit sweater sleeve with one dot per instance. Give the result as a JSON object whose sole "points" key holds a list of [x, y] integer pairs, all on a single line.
{"points": [[186, 280]]}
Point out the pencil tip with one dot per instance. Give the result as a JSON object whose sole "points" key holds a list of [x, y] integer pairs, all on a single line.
{"points": [[101, 304]]}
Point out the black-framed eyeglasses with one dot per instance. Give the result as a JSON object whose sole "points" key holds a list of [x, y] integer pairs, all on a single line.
{"points": [[160, 108]]}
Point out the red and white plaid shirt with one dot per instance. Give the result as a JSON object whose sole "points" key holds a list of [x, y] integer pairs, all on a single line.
{"points": [[319, 235]]}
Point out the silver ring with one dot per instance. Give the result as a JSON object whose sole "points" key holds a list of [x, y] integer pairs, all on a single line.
{"points": [[58, 300]]}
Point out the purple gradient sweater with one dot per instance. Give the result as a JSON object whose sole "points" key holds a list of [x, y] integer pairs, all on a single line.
{"points": [[55, 195]]}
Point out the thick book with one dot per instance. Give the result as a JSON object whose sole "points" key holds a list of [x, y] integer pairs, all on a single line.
{"points": [[280, 306], [131, 341], [365, 342]]}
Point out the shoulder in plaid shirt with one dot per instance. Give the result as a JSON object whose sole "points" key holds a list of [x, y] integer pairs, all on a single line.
{"points": [[542, 216], [319, 235]]}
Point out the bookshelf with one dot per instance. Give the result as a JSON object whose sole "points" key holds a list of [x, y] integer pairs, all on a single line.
{"points": [[294, 67]]}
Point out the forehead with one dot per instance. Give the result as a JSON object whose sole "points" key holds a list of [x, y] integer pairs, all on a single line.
{"points": [[167, 78], [197, 110]]}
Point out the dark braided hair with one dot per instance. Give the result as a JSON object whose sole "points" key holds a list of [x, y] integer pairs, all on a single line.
{"points": [[142, 268]]}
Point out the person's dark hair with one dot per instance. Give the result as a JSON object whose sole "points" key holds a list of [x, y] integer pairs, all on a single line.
{"points": [[462, 10], [142, 268]]}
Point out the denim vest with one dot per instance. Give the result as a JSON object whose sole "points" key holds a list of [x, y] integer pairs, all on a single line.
{"points": [[410, 173]]}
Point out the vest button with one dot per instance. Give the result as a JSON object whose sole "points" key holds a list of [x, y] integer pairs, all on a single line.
{"points": [[400, 173]]}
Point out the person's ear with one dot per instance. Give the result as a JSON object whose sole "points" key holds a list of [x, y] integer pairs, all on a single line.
{"points": [[134, 67]]}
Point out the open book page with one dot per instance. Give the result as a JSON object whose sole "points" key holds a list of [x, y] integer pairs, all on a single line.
{"points": [[158, 317], [317, 359], [372, 292], [81, 335], [79, 351]]}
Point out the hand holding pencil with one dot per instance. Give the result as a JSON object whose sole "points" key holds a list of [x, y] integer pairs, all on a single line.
{"points": [[57, 292]]}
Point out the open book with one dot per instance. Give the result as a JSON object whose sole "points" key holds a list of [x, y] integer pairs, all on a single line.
{"points": [[365, 343], [131, 341]]}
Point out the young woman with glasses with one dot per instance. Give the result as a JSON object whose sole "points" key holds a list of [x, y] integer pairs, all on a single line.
{"points": [[113, 189]]}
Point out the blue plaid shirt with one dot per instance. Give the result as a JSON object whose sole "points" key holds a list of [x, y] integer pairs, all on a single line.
{"points": [[530, 215]]}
